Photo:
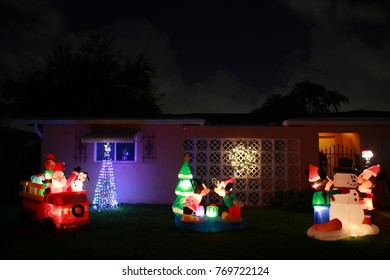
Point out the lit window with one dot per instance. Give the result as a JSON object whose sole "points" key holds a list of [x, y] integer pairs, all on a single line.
{"points": [[118, 151]]}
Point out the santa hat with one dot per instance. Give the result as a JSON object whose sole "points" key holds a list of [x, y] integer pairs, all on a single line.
{"points": [[59, 166], [313, 173], [228, 181], [373, 170], [49, 157]]}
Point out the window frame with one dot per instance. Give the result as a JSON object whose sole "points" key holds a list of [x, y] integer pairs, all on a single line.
{"points": [[95, 152]]}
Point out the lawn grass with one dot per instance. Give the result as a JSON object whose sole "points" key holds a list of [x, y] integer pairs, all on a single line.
{"points": [[148, 232]]}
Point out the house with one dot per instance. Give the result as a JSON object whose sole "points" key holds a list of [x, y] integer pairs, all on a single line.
{"points": [[147, 153]]}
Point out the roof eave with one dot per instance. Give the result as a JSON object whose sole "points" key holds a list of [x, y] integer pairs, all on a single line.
{"points": [[336, 121], [199, 122]]}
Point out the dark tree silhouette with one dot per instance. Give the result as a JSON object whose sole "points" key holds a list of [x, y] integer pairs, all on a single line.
{"points": [[94, 79], [316, 98], [306, 99]]}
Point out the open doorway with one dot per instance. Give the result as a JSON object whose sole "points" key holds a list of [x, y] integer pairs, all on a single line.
{"points": [[336, 146]]}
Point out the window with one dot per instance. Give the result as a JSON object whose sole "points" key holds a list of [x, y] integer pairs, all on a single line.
{"points": [[116, 151]]}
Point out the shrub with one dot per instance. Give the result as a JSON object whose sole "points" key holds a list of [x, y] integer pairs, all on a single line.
{"points": [[293, 200]]}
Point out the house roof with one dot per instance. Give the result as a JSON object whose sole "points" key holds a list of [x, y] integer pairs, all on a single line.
{"points": [[210, 119], [360, 117], [111, 121], [336, 121], [183, 119]]}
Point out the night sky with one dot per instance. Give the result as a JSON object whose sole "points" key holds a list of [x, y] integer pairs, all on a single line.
{"points": [[222, 56]]}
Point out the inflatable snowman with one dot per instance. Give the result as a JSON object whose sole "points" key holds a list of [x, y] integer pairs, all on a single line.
{"points": [[346, 205], [323, 228]]}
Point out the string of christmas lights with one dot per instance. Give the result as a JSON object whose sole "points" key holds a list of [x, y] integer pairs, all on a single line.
{"points": [[105, 192], [242, 158]]}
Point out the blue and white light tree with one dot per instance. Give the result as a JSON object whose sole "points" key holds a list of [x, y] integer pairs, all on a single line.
{"points": [[105, 192]]}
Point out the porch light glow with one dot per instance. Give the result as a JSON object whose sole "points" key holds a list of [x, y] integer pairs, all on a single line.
{"points": [[367, 154]]}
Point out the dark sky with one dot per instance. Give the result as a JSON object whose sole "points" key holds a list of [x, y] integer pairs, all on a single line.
{"points": [[222, 56]]}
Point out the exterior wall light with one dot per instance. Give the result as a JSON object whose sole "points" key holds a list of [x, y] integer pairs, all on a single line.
{"points": [[367, 154]]}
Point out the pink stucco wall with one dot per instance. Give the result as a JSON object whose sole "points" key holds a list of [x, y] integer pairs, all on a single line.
{"points": [[155, 182], [308, 138], [135, 182]]}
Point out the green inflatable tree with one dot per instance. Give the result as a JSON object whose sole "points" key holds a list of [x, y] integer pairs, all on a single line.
{"points": [[184, 187]]}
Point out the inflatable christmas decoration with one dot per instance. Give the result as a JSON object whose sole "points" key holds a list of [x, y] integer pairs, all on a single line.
{"points": [[348, 207], [58, 180], [323, 226], [184, 187], [49, 164], [191, 215], [366, 182], [212, 211], [48, 199], [77, 185], [192, 202], [200, 212], [225, 189], [339, 204]]}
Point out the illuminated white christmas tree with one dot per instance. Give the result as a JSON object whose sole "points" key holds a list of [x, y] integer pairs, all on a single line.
{"points": [[105, 192]]}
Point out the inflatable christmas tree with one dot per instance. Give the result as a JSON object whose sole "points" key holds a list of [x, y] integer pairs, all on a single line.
{"points": [[184, 187]]}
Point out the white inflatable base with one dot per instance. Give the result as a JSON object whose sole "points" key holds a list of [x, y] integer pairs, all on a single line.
{"points": [[346, 231], [327, 235]]}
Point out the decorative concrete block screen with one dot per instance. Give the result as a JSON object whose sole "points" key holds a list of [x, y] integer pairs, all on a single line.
{"points": [[273, 165]]}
